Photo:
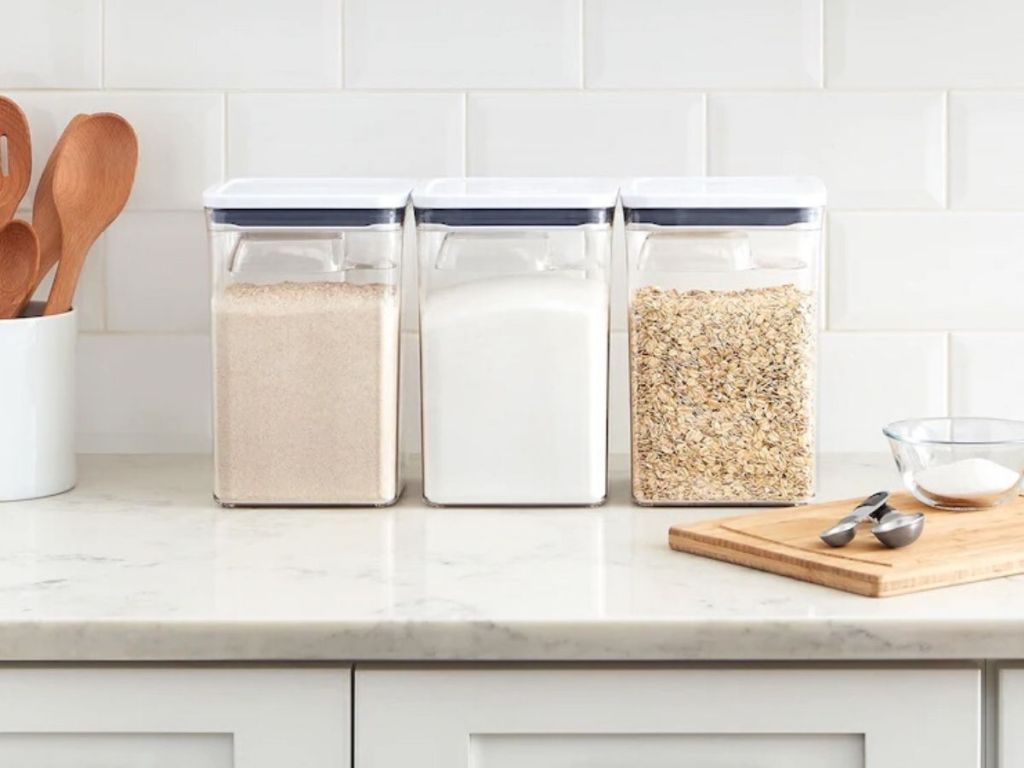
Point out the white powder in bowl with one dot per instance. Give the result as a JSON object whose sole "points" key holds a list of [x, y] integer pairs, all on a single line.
{"points": [[969, 481], [306, 393], [515, 391]]}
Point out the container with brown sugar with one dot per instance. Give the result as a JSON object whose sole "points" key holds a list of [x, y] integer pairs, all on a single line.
{"points": [[306, 338]]}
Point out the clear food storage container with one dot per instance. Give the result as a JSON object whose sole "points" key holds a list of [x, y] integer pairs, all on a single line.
{"points": [[514, 339], [306, 340], [723, 279]]}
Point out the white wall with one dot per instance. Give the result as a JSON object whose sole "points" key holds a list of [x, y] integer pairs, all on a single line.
{"points": [[907, 109]]}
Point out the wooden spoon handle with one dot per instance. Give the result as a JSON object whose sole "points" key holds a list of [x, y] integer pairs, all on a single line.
{"points": [[62, 292], [44, 212]]}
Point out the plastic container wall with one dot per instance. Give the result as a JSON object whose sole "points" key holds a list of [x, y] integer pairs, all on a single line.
{"points": [[514, 335], [306, 335], [723, 331]]}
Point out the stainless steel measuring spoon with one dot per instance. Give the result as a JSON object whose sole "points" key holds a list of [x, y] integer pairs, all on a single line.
{"points": [[842, 533], [898, 529], [892, 528]]}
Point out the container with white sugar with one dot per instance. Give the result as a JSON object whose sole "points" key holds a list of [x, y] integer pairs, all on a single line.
{"points": [[514, 277]]}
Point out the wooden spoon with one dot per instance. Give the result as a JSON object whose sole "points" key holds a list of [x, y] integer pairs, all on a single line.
{"points": [[19, 262], [92, 179], [44, 212], [16, 173]]}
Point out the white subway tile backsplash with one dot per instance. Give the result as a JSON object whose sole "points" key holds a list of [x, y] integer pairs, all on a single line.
{"points": [[50, 44], [923, 44], [618, 394], [409, 415], [143, 393], [619, 290], [345, 134], [158, 273], [462, 44], [181, 139], [873, 150], [987, 374], [870, 379], [410, 275], [586, 134], [224, 44], [697, 44], [926, 271], [912, 112], [986, 150]]}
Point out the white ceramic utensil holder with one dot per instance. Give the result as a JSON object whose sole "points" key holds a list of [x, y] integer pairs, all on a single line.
{"points": [[37, 405]]}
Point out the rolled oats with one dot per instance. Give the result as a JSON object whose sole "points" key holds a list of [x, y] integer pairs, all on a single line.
{"points": [[723, 395]]}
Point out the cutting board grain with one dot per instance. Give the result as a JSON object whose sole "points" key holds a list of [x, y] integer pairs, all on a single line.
{"points": [[955, 548]]}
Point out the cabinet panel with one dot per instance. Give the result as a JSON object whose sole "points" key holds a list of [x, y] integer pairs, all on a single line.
{"points": [[1011, 717], [127, 717], [457, 717], [667, 751], [116, 750]]}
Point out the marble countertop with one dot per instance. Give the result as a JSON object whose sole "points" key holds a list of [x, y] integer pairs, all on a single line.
{"points": [[139, 564]]}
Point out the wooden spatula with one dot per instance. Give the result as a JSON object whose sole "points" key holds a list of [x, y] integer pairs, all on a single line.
{"points": [[92, 179], [15, 158]]}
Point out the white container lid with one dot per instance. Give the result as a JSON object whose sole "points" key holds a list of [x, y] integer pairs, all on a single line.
{"points": [[516, 193], [309, 193], [724, 192]]}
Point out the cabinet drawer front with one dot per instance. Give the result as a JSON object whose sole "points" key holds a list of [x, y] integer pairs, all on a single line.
{"points": [[1011, 715], [455, 717], [66, 717]]}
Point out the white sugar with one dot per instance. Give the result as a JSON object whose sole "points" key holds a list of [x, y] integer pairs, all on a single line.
{"points": [[515, 391], [966, 479]]}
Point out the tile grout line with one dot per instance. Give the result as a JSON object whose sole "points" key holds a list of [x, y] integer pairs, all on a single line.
{"points": [[465, 133], [693, 90], [706, 104], [103, 44], [224, 144], [821, 46], [341, 43], [104, 279], [825, 321], [583, 44], [949, 373], [105, 307], [947, 150]]}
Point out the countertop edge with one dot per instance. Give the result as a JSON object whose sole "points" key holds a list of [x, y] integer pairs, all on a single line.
{"points": [[111, 640]]}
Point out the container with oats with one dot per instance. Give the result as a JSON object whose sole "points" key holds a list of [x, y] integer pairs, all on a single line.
{"points": [[723, 327], [306, 340]]}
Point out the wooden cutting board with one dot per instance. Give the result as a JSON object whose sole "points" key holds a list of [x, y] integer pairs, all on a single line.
{"points": [[955, 547]]}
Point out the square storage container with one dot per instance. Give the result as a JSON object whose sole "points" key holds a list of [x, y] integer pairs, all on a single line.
{"points": [[514, 339], [723, 329], [306, 277]]}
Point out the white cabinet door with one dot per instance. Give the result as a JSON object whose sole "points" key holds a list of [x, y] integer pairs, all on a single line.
{"points": [[450, 717], [1010, 727], [191, 717]]}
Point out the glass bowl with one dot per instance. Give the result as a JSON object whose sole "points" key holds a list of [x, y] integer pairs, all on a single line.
{"points": [[959, 463]]}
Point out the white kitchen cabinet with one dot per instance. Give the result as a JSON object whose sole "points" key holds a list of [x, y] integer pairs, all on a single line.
{"points": [[199, 717], [1010, 710], [457, 717]]}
